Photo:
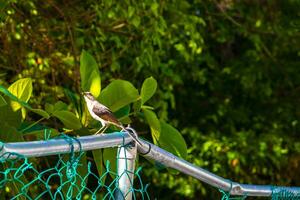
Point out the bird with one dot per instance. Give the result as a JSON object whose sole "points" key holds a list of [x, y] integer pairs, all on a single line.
{"points": [[103, 114]]}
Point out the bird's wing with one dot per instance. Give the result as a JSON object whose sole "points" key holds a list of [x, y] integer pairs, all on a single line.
{"points": [[105, 114]]}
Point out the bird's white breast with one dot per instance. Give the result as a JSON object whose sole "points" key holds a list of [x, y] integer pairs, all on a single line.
{"points": [[90, 106]]}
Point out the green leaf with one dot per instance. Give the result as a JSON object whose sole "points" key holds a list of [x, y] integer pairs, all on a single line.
{"points": [[41, 113], [152, 120], [10, 117], [23, 103], [38, 132], [110, 154], [171, 140], [125, 120], [154, 124], [68, 119], [58, 106], [72, 97], [98, 158], [122, 112], [10, 121], [154, 8], [148, 89], [22, 89], [137, 106], [2, 101], [13, 97], [89, 73], [49, 108], [118, 94]]}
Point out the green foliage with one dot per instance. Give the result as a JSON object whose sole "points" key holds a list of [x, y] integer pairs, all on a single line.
{"points": [[68, 119], [171, 140], [118, 94], [22, 89], [109, 155], [98, 158], [2, 101], [148, 89], [227, 74], [89, 73]]}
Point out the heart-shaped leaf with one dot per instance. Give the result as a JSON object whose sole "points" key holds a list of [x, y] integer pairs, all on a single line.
{"points": [[23, 103], [22, 89]]}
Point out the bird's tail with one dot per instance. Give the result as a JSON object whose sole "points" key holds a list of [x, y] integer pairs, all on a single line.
{"points": [[131, 132]]}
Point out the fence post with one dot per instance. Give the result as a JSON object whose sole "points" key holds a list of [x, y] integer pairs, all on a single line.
{"points": [[126, 166]]}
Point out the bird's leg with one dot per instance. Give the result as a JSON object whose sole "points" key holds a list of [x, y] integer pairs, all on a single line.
{"points": [[105, 127], [99, 130], [102, 129]]}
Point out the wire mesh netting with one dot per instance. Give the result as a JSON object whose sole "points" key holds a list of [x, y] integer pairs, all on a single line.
{"points": [[278, 193], [65, 176]]}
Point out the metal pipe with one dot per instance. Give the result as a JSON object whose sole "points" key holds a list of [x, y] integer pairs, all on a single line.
{"points": [[126, 166], [59, 146], [62, 145], [172, 161]]}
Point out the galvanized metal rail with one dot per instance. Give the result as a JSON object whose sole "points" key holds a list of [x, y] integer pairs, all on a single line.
{"points": [[149, 150]]}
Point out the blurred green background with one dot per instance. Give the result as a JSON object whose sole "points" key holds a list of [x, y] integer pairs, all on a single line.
{"points": [[228, 75]]}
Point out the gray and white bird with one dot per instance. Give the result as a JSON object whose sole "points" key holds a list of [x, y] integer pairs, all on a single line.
{"points": [[103, 114]]}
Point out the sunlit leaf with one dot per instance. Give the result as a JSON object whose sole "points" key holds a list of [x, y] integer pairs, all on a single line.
{"points": [[23, 103], [118, 94], [89, 73], [22, 89]]}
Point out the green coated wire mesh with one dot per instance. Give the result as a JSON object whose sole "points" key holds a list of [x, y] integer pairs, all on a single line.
{"points": [[278, 193], [61, 177]]}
